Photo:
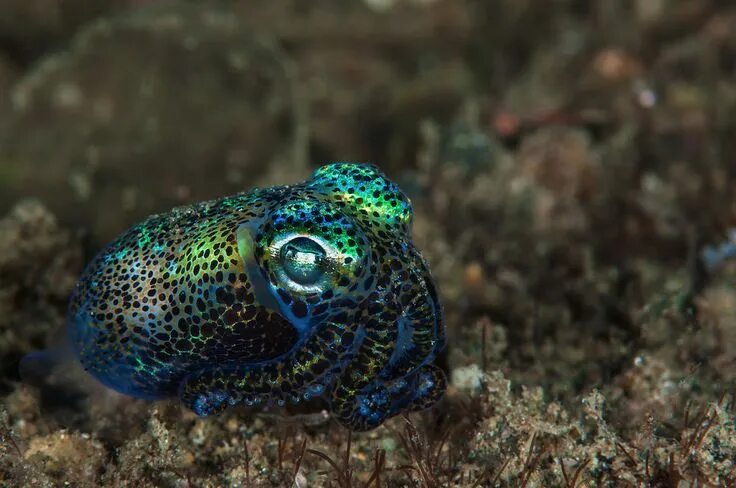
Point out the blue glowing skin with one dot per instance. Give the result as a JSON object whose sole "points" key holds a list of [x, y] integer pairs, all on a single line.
{"points": [[274, 295]]}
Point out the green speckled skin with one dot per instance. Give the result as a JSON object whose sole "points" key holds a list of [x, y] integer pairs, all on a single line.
{"points": [[274, 295]]}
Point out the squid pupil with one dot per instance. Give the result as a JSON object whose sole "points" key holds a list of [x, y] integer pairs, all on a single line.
{"points": [[303, 260]]}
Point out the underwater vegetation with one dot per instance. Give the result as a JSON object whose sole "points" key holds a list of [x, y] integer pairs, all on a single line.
{"points": [[570, 170]]}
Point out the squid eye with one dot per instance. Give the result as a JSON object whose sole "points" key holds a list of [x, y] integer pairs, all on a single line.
{"points": [[303, 260]]}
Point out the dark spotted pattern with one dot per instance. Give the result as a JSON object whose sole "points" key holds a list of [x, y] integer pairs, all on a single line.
{"points": [[274, 295]]}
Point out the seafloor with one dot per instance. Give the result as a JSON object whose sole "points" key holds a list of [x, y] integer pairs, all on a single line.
{"points": [[572, 167]]}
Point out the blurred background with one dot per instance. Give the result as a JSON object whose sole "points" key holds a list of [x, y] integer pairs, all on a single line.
{"points": [[114, 109], [571, 163]]}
